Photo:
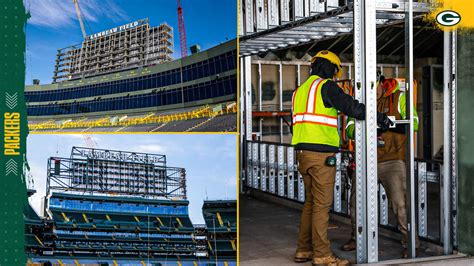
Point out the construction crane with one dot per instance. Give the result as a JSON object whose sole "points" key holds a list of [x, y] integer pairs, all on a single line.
{"points": [[182, 32], [79, 17]]}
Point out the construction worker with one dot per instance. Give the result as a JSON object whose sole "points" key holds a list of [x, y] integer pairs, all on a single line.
{"points": [[315, 106], [391, 167]]}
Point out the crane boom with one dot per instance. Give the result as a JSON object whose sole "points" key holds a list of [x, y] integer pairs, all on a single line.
{"points": [[79, 16], [182, 32]]}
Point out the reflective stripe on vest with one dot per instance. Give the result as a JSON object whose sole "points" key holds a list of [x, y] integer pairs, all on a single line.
{"points": [[312, 121], [311, 101], [316, 119]]}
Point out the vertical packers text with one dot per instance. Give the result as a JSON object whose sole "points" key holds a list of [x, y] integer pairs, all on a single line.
{"points": [[12, 134]]}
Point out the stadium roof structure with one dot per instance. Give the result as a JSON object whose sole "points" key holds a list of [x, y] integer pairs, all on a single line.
{"points": [[91, 171]]}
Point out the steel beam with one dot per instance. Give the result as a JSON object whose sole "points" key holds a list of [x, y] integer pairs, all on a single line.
{"points": [[370, 61], [360, 182], [448, 145], [411, 218], [365, 63], [247, 65], [453, 135], [280, 100]]}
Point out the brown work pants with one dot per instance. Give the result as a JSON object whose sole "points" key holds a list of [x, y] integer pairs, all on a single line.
{"points": [[319, 188], [392, 175]]}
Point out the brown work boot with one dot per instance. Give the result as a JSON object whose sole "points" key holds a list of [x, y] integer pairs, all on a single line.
{"points": [[350, 245], [330, 261], [303, 256]]}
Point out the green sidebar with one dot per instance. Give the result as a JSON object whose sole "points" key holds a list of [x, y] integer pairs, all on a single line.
{"points": [[465, 143], [13, 197]]}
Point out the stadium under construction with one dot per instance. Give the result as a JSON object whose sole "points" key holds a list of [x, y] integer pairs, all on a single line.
{"points": [[124, 79], [106, 207]]}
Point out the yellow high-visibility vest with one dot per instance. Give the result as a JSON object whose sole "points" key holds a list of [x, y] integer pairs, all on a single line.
{"points": [[313, 123]]}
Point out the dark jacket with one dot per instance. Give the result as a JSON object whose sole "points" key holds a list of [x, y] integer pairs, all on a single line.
{"points": [[333, 96]]}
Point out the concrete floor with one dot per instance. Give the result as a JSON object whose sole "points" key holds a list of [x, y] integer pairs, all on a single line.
{"points": [[268, 236]]}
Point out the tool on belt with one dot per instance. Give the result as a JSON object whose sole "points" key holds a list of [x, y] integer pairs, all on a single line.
{"points": [[331, 161]]}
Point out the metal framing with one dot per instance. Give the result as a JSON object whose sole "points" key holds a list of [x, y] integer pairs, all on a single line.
{"points": [[103, 172], [360, 181], [449, 182], [409, 61], [365, 62], [362, 18], [308, 24]]}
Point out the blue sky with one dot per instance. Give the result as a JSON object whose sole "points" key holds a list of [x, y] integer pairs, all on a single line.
{"points": [[53, 25], [209, 160]]}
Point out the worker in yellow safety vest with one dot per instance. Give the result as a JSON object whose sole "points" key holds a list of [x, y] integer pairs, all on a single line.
{"points": [[315, 106], [391, 167]]}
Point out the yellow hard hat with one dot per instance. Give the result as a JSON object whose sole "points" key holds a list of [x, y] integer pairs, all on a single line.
{"points": [[332, 57]]}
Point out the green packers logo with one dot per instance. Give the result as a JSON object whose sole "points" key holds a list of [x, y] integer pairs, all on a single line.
{"points": [[448, 18]]}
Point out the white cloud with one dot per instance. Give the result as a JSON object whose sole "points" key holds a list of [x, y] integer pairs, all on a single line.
{"points": [[62, 13], [152, 148]]}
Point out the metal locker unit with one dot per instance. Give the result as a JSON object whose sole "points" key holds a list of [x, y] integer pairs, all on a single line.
{"points": [[256, 166], [263, 167], [290, 164], [383, 205], [422, 200], [337, 205], [301, 194], [281, 170], [272, 168], [249, 164]]}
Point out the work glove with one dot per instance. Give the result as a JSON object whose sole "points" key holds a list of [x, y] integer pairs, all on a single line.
{"points": [[383, 122]]}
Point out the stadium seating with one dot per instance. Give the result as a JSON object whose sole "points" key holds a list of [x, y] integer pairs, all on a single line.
{"points": [[84, 225], [216, 118], [221, 221]]}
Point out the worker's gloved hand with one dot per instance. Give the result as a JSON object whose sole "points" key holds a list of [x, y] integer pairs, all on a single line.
{"points": [[383, 122]]}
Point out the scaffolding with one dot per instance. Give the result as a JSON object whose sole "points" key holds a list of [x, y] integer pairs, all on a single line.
{"points": [[273, 26], [108, 172], [135, 44]]}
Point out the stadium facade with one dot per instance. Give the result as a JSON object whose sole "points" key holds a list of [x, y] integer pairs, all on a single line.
{"points": [[99, 81], [108, 207], [131, 45]]}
